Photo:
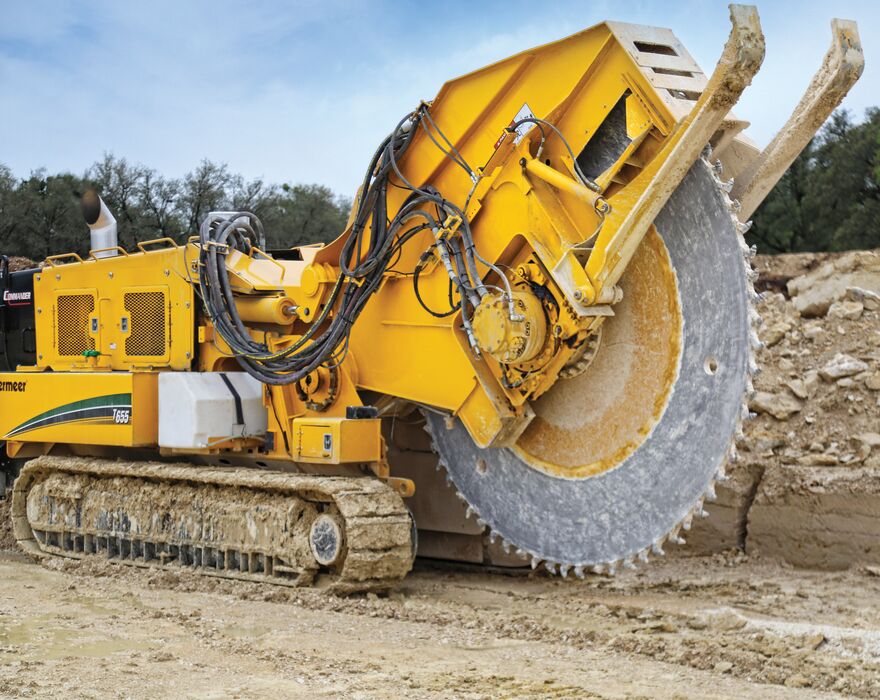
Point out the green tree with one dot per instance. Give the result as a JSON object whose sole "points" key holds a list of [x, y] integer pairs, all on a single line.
{"points": [[49, 221], [308, 214], [829, 199]]}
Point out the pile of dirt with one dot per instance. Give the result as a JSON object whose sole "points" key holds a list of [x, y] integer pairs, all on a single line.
{"points": [[17, 263], [805, 486]]}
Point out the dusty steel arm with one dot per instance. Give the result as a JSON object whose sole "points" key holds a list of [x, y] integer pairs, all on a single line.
{"points": [[622, 233], [841, 68]]}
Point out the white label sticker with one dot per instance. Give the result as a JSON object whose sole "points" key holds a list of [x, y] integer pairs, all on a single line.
{"points": [[522, 129], [524, 112]]}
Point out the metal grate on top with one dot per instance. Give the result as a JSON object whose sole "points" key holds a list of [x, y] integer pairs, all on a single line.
{"points": [[72, 327], [149, 334]]}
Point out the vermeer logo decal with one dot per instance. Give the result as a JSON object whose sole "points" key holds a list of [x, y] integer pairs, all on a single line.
{"points": [[13, 386]]}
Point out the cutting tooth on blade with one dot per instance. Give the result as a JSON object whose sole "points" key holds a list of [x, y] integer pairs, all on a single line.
{"points": [[534, 562], [710, 493], [579, 572], [628, 563], [657, 548]]}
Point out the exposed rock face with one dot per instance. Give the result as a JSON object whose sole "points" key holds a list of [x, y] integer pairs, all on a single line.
{"points": [[725, 528], [806, 485], [816, 291], [817, 518]]}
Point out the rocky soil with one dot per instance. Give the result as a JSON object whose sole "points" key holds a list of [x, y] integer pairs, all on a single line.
{"points": [[727, 626], [806, 487]]}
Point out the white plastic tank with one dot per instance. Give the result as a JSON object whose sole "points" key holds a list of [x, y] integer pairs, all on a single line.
{"points": [[200, 408]]}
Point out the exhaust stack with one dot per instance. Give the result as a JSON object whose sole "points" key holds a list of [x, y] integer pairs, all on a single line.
{"points": [[101, 223]]}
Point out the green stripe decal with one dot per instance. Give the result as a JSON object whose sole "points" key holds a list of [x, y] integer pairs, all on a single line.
{"points": [[98, 407]]}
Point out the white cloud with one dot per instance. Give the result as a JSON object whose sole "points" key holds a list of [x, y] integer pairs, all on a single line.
{"points": [[305, 93]]}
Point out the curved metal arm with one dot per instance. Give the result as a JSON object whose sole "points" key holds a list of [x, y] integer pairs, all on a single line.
{"points": [[841, 68], [622, 232]]}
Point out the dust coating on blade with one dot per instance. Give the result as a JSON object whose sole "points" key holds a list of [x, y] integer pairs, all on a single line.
{"points": [[615, 515]]}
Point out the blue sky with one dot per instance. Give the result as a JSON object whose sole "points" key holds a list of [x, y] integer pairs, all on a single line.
{"points": [[303, 91]]}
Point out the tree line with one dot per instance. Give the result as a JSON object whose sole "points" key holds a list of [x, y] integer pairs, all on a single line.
{"points": [[40, 215], [828, 200]]}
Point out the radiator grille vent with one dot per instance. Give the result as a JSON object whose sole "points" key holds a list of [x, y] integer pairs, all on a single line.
{"points": [[148, 337], [72, 329]]}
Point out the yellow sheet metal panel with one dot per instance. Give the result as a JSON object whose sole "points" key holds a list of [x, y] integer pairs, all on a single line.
{"points": [[96, 408], [337, 440], [125, 312]]}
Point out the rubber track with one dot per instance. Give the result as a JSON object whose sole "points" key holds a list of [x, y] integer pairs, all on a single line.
{"points": [[377, 523]]}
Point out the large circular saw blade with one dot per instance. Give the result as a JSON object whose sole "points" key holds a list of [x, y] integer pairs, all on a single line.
{"points": [[620, 457]]}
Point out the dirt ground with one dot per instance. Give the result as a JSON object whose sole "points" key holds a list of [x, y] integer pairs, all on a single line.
{"points": [[727, 626]]}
